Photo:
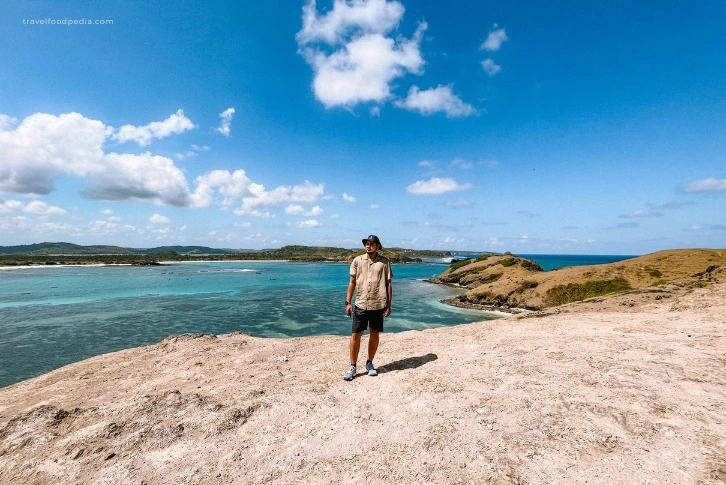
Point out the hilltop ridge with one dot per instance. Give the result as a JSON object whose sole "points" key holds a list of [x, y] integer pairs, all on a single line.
{"points": [[510, 282]]}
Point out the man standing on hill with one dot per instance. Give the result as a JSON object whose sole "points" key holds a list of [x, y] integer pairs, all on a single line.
{"points": [[371, 274]]}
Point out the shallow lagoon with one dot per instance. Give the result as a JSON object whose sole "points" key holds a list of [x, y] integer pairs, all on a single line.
{"points": [[50, 317]]}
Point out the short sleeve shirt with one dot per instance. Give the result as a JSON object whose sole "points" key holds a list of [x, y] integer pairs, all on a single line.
{"points": [[370, 281]]}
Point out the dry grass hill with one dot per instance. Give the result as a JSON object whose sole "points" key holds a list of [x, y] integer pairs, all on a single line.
{"points": [[511, 282]]}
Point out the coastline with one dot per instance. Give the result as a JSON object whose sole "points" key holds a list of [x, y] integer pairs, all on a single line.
{"points": [[565, 398]]}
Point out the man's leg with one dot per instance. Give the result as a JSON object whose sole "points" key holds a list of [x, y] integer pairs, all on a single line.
{"points": [[355, 346], [372, 344]]}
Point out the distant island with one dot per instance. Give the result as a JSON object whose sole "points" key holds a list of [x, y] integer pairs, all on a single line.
{"points": [[62, 253]]}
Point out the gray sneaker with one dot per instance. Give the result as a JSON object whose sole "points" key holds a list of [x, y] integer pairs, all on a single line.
{"points": [[371, 370], [348, 376]]}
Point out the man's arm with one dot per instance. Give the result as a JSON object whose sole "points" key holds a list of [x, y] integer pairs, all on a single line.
{"points": [[349, 295], [389, 292]]}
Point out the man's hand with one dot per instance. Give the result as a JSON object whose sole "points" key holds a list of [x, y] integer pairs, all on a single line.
{"points": [[348, 309], [387, 311]]}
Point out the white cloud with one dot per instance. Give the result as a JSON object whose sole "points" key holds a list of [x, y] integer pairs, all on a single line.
{"points": [[159, 219], [7, 122], [139, 178], [212, 233], [459, 203], [255, 237], [185, 155], [259, 197], [375, 111], [114, 219], [228, 185], [436, 186], [43, 209], [348, 199], [108, 212], [304, 224], [435, 100], [242, 224], [224, 125], [426, 163], [176, 123], [641, 214], [298, 210], [461, 163], [44, 146], [495, 39], [707, 185], [10, 205], [364, 61], [374, 206], [371, 16], [333, 216], [490, 67]]}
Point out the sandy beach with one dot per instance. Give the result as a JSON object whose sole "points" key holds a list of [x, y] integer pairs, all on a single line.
{"points": [[619, 390]]}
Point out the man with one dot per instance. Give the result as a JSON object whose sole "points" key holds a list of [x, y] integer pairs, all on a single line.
{"points": [[371, 274]]}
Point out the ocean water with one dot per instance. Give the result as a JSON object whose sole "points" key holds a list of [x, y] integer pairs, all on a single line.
{"points": [[50, 317], [548, 262]]}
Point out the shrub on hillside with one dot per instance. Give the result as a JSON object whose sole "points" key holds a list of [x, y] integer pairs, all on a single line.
{"points": [[526, 285], [491, 278], [531, 265], [481, 258], [655, 273], [699, 284], [561, 294], [459, 264], [509, 262]]}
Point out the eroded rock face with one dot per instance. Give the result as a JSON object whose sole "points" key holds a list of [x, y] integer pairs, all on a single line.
{"points": [[510, 282], [611, 390]]}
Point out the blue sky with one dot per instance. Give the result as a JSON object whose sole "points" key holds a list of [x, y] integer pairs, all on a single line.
{"points": [[560, 127]]}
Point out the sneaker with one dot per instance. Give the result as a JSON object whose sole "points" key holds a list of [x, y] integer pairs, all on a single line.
{"points": [[348, 376], [371, 370]]}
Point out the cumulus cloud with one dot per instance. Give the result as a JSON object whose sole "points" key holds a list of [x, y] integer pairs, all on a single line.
{"points": [[242, 224], [490, 67], [435, 100], [7, 122], [364, 59], [107, 212], [224, 125], [426, 163], [298, 210], [139, 178], [436, 186], [43, 209], [641, 215], [10, 205], [159, 219], [174, 124], [707, 185], [374, 206], [348, 199], [45, 146], [494, 40], [304, 224]]}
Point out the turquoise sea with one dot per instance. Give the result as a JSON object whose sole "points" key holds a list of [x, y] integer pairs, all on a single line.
{"points": [[50, 317], [53, 316]]}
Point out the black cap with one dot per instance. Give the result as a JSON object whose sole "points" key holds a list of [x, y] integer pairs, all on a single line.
{"points": [[374, 239]]}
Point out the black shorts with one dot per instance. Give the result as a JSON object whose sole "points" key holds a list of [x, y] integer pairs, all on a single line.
{"points": [[362, 319]]}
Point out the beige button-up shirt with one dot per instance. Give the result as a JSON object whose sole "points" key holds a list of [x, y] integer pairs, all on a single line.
{"points": [[370, 281]]}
